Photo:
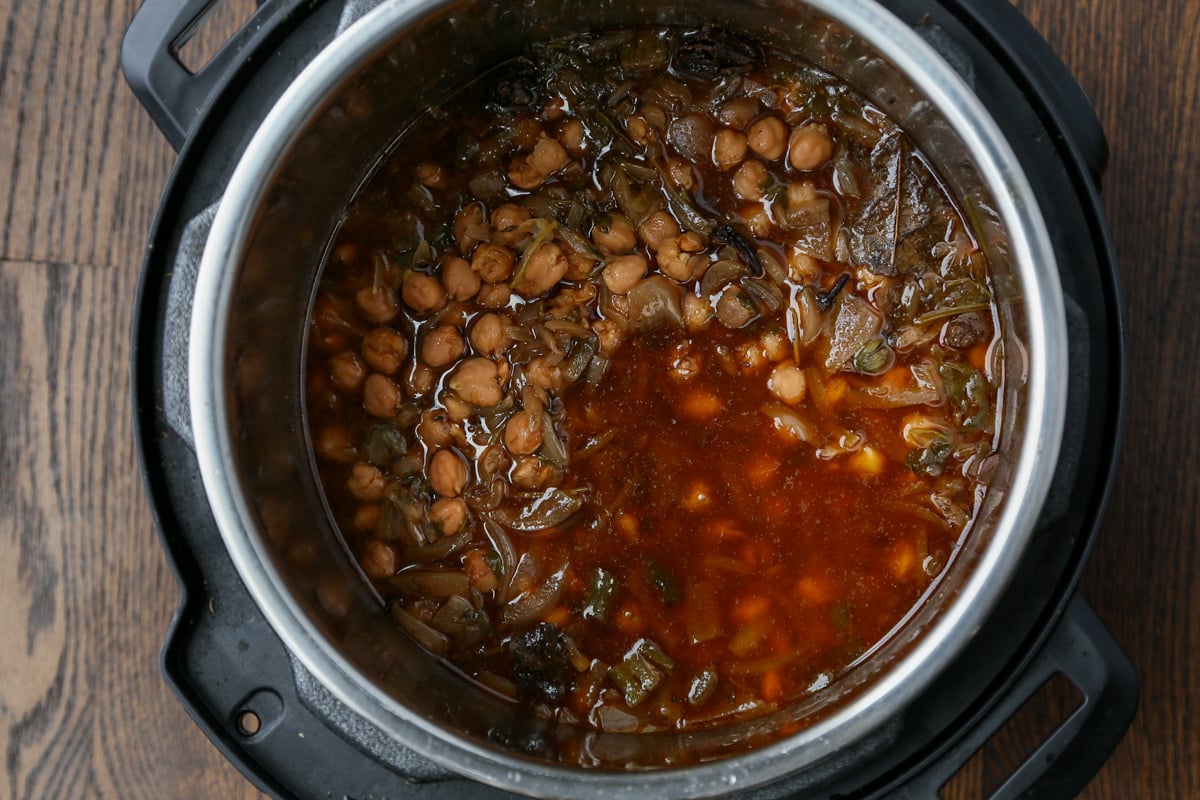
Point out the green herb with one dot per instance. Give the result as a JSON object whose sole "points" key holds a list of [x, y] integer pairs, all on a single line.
{"points": [[602, 590], [662, 580]]}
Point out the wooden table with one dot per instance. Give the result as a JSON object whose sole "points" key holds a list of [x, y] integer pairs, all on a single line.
{"points": [[85, 593]]}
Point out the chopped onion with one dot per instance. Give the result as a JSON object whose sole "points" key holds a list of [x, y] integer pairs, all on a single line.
{"points": [[720, 274], [537, 511], [438, 584], [654, 301], [790, 420], [857, 323], [438, 550], [532, 604], [433, 641]]}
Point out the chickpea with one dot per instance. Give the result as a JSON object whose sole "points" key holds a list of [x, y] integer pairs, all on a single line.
{"points": [[788, 384], [624, 272], [758, 220], [523, 433], [802, 267], [435, 428], [531, 171], [477, 381], [448, 473], [449, 514], [529, 472], [751, 357], [638, 130], [610, 335], [493, 262], [457, 408], [460, 280], [543, 374], [422, 293], [332, 443], [698, 496], [809, 146], [768, 137], [750, 180], [346, 371], [776, 345], [571, 136], [505, 223], [420, 380], [384, 350], [656, 228], [494, 296], [479, 573], [800, 193], [366, 482], [675, 262], [489, 334], [729, 148], [614, 235], [697, 313], [469, 228], [367, 516], [381, 396], [546, 267], [681, 173], [443, 345], [738, 112], [430, 175], [379, 559], [378, 303], [579, 265], [655, 117]]}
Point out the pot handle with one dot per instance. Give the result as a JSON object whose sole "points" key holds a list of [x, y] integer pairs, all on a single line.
{"points": [[1081, 649], [170, 93]]}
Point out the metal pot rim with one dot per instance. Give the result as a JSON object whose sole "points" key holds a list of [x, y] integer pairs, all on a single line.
{"points": [[1031, 251]]}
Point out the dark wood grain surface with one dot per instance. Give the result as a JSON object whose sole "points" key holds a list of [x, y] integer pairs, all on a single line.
{"points": [[85, 593]]}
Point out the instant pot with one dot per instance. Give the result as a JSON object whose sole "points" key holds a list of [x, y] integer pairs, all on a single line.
{"points": [[286, 660]]}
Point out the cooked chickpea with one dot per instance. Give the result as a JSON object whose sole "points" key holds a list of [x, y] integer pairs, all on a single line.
{"points": [[656, 228], [457, 408], [610, 333], [614, 235], [729, 148], [482, 578], [802, 267], [775, 345], [579, 265], [489, 334], [809, 147], [531, 171], [570, 136], [422, 293], [698, 496], [493, 262], [477, 381], [677, 263], [420, 380], [787, 382], [332, 443], [638, 130], [697, 313], [448, 473], [443, 345], [460, 280], [449, 514], [768, 137], [469, 228], [738, 112], [435, 428], [624, 272], [367, 516], [682, 173], [530, 472], [799, 193], [381, 396], [379, 559], [346, 371], [494, 295], [378, 303], [546, 267], [384, 350], [543, 374], [506, 222], [366, 482], [523, 433], [750, 180]]}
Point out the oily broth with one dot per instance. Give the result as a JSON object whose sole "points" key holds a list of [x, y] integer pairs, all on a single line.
{"points": [[678, 512]]}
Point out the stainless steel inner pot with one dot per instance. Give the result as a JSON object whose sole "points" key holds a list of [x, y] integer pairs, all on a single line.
{"points": [[255, 284]]}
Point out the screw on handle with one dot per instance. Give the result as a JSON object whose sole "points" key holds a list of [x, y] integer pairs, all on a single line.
{"points": [[172, 95], [1081, 649]]}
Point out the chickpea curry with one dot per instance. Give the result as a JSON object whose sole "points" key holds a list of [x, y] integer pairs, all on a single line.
{"points": [[653, 379]]}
